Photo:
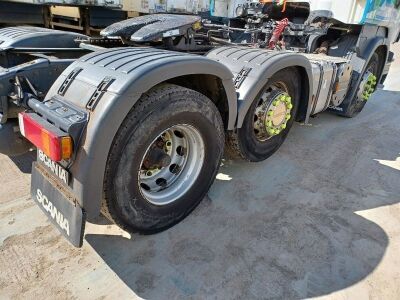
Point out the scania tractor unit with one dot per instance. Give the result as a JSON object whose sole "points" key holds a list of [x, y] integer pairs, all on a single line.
{"points": [[134, 123]]}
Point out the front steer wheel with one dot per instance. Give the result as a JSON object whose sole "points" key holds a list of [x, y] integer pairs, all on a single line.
{"points": [[163, 159], [366, 87]]}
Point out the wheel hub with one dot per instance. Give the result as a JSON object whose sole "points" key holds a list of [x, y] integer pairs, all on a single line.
{"points": [[367, 86], [171, 164], [279, 114], [272, 115], [156, 158]]}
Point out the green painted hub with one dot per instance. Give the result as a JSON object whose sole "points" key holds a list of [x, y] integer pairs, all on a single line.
{"points": [[278, 114], [369, 87]]}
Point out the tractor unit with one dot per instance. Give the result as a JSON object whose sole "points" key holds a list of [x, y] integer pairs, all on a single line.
{"points": [[134, 123]]}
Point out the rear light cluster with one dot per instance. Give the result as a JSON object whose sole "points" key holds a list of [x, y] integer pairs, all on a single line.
{"points": [[55, 143]]}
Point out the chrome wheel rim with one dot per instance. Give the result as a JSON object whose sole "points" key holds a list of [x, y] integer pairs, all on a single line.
{"points": [[171, 164], [272, 113]]}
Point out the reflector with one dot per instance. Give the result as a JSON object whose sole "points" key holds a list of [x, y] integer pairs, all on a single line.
{"points": [[55, 143]]}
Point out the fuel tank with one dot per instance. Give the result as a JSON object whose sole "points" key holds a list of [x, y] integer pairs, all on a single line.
{"points": [[331, 80]]}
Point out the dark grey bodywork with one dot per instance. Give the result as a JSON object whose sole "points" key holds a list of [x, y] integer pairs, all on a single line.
{"points": [[131, 71], [253, 67], [107, 84], [127, 73], [370, 39], [36, 37]]}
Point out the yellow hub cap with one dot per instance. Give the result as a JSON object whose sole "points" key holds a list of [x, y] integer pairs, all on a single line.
{"points": [[272, 116], [369, 87], [278, 114]]}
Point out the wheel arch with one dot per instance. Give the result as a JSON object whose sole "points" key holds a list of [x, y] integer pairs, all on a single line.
{"points": [[102, 128], [203, 75], [365, 51], [132, 77], [305, 94], [373, 39], [215, 89], [383, 53], [255, 85]]}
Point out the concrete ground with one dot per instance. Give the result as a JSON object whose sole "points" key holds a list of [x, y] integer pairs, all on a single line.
{"points": [[321, 218]]}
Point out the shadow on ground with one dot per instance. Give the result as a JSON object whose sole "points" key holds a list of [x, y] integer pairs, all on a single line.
{"points": [[284, 228], [24, 161]]}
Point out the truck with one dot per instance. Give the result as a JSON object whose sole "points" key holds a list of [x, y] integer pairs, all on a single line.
{"points": [[134, 124], [90, 17]]}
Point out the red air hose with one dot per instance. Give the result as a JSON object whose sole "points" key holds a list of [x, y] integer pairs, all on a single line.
{"points": [[280, 27]]}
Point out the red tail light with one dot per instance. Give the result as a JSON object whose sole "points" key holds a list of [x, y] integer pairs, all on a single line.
{"points": [[55, 143]]}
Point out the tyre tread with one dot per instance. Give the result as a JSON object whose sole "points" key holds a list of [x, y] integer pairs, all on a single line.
{"points": [[141, 107]]}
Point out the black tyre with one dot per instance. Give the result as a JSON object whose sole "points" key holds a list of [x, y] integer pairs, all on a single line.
{"points": [[254, 141], [358, 103], [163, 160]]}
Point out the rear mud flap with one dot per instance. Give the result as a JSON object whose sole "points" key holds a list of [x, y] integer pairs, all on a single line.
{"points": [[59, 207]]}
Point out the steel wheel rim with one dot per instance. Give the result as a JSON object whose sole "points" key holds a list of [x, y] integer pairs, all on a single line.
{"points": [[184, 145]]}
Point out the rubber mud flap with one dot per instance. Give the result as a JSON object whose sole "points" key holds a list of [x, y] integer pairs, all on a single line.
{"points": [[54, 201]]}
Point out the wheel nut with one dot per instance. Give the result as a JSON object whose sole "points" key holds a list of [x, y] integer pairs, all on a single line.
{"points": [[288, 116], [270, 113], [283, 126], [149, 173]]}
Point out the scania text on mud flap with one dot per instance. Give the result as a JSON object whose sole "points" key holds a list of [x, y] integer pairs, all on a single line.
{"points": [[53, 212], [58, 203], [137, 132], [54, 167]]}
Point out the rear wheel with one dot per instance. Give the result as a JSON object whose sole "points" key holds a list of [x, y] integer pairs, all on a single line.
{"points": [[163, 160], [268, 120]]}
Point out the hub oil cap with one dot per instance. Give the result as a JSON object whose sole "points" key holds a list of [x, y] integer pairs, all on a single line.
{"points": [[367, 86], [272, 115]]}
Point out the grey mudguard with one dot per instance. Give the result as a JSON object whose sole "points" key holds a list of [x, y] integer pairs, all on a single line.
{"points": [[35, 37], [252, 69], [371, 37], [107, 84]]}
